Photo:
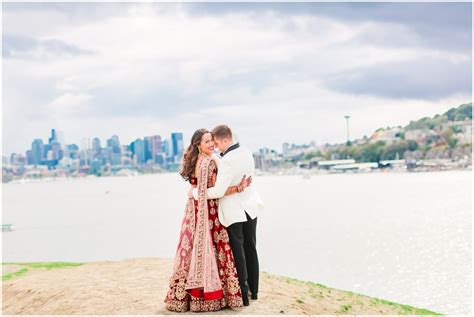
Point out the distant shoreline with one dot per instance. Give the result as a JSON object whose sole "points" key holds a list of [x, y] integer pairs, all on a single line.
{"points": [[301, 173], [138, 286]]}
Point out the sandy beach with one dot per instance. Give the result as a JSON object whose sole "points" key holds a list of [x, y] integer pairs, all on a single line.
{"points": [[138, 286]]}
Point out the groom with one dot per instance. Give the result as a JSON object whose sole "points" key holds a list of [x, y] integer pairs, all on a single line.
{"points": [[237, 212]]}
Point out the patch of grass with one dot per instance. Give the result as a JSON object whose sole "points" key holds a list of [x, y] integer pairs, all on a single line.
{"points": [[36, 265], [359, 302], [348, 295], [345, 308], [48, 265], [11, 275], [317, 285], [313, 294], [317, 296], [405, 309]]}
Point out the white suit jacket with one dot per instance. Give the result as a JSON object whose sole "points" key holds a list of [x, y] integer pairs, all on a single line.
{"points": [[231, 168]]}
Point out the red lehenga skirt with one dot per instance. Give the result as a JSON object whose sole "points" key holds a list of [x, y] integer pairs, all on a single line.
{"points": [[180, 299]]}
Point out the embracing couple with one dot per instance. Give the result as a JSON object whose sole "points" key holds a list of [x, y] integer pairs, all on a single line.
{"points": [[216, 263]]}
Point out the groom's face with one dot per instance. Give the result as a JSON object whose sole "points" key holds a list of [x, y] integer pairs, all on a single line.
{"points": [[221, 144]]}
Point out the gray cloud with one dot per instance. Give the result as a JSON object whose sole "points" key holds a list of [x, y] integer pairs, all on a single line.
{"points": [[426, 78], [446, 26], [152, 71], [446, 14], [23, 46]]}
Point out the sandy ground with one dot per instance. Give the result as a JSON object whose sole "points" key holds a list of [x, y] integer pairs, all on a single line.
{"points": [[138, 286]]}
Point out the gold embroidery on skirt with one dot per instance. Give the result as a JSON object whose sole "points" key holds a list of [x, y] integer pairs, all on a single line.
{"points": [[201, 305], [222, 256]]}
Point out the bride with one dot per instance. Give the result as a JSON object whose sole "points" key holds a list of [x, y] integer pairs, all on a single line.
{"points": [[204, 274]]}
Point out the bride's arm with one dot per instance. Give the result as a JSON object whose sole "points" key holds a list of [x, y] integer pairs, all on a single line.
{"points": [[224, 178], [244, 183], [221, 184]]}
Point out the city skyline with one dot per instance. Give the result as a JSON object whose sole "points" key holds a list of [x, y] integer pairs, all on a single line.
{"points": [[289, 73], [442, 138], [185, 139]]}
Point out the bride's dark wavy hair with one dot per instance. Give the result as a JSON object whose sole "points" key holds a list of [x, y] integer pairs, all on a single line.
{"points": [[191, 156]]}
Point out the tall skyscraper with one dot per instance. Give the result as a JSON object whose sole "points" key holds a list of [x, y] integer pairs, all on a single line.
{"points": [[153, 147], [29, 157], [148, 148], [177, 143], [167, 149], [138, 150], [56, 150], [85, 153], [114, 144], [37, 151], [96, 146], [54, 137]]}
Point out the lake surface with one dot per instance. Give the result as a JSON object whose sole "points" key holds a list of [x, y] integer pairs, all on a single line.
{"points": [[405, 237]]}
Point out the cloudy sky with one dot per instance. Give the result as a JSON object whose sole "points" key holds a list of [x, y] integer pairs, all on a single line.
{"points": [[273, 72]]}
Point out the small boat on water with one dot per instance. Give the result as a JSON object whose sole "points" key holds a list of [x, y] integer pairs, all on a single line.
{"points": [[6, 227]]}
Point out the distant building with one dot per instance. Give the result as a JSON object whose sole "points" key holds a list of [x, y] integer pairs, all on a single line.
{"points": [[167, 148], [114, 144], [57, 153], [37, 151], [29, 157], [17, 159], [420, 136], [54, 137], [265, 159], [148, 148], [72, 151], [96, 146], [329, 164], [462, 130], [177, 145], [96, 167], [387, 135], [138, 150], [355, 166], [85, 153], [153, 147]]}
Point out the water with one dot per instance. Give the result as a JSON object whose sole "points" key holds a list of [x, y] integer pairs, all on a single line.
{"points": [[404, 237]]}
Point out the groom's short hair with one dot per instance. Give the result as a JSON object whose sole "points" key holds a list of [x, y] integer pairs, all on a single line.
{"points": [[222, 132]]}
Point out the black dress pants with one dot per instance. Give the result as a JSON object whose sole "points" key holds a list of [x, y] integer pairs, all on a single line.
{"points": [[243, 240]]}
